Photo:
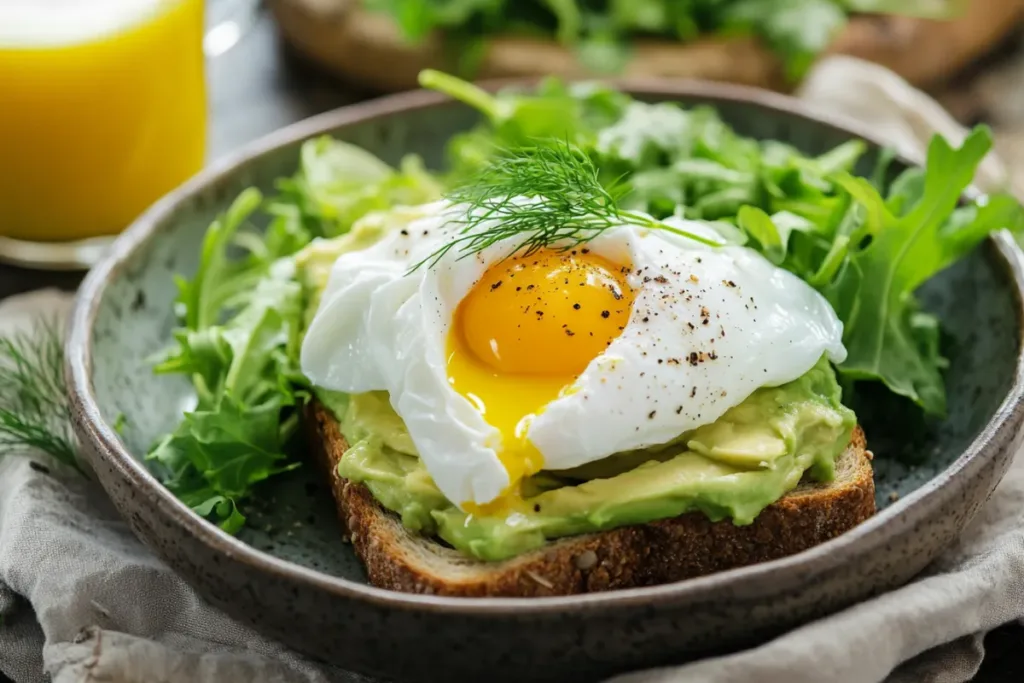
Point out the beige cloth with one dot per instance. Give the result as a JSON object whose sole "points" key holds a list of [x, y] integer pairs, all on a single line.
{"points": [[82, 601]]}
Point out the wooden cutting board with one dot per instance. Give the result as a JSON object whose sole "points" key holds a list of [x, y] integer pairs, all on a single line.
{"points": [[367, 49]]}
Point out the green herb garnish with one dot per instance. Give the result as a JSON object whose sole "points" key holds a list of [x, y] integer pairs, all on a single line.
{"points": [[34, 408], [548, 196]]}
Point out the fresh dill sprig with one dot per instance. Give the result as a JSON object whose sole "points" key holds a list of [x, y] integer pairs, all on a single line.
{"points": [[34, 407], [550, 195]]}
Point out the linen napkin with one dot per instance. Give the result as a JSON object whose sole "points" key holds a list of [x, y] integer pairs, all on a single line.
{"points": [[81, 600]]}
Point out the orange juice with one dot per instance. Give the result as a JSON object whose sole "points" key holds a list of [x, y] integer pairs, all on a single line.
{"points": [[102, 111]]}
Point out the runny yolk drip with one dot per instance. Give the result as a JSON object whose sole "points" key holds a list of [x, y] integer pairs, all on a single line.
{"points": [[525, 332]]}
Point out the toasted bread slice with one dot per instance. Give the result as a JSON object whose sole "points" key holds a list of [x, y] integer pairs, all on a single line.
{"points": [[647, 554]]}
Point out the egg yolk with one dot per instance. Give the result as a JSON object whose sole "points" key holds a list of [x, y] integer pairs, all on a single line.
{"points": [[524, 333]]}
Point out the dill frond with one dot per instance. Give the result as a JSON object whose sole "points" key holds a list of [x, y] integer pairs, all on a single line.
{"points": [[34, 407], [550, 195]]}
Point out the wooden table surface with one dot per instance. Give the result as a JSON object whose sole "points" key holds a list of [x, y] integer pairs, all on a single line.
{"points": [[257, 87]]}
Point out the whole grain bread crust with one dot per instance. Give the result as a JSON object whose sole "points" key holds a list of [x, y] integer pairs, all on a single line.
{"points": [[642, 555]]}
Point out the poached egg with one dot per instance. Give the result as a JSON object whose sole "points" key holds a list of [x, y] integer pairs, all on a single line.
{"points": [[503, 363]]}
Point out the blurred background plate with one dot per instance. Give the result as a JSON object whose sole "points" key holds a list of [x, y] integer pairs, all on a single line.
{"points": [[368, 49]]}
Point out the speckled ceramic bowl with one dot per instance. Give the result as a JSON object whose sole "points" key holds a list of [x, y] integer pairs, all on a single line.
{"points": [[291, 576]]}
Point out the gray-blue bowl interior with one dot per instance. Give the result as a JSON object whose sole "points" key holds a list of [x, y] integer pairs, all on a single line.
{"points": [[312, 591]]}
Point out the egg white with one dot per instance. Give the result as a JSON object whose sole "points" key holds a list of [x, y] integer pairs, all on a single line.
{"points": [[381, 326], [708, 327]]}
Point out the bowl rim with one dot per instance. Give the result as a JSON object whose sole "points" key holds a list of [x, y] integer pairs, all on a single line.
{"points": [[815, 561]]}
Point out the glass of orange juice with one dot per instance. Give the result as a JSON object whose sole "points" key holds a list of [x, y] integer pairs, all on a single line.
{"points": [[102, 111]]}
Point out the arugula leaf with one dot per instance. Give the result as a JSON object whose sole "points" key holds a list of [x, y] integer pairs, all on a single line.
{"points": [[515, 119], [218, 281], [772, 232], [886, 336], [243, 371], [242, 317]]}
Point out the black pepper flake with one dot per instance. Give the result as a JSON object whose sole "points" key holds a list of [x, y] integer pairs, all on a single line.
{"points": [[679, 409], [405, 233], [605, 314], [536, 507], [692, 326], [650, 415], [519, 289], [496, 285], [576, 307], [529, 287], [693, 358], [645, 319], [540, 314], [693, 392], [728, 283], [570, 333]]}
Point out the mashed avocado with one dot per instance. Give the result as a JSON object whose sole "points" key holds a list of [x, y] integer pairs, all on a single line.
{"points": [[733, 468]]}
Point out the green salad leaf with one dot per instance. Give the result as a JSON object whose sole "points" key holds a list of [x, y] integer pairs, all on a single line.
{"points": [[601, 31], [810, 215], [242, 316], [887, 336], [338, 182], [592, 158], [798, 30]]}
